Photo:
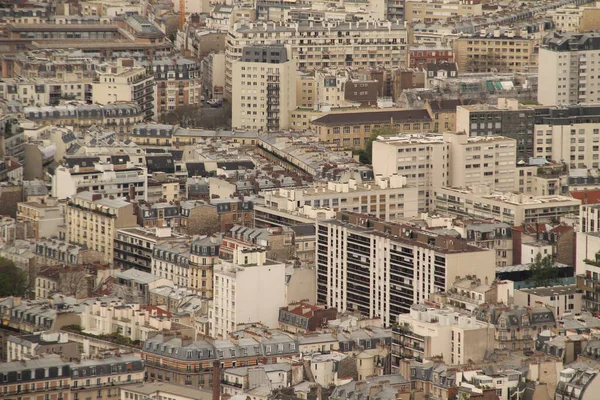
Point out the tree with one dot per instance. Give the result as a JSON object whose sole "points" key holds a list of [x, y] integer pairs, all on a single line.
{"points": [[543, 271], [365, 156], [206, 224], [13, 280], [75, 282]]}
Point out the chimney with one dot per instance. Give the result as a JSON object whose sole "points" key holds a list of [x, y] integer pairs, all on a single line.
{"points": [[216, 384]]}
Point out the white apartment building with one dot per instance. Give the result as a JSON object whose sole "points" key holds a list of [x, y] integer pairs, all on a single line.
{"points": [[111, 180], [425, 332], [566, 64], [92, 221], [576, 144], [430, 161], [171, 260], [236, 285], [124, 81], [106, 316], [381, 268], [567, 18], [512, 208], [388, 198], [589, 218], [264, 89], [321, 45]]}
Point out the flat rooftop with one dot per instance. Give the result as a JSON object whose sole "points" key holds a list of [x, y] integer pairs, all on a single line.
{"points": [[552, 290]]}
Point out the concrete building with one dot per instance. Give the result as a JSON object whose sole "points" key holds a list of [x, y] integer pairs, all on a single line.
{"points": [[134, 246], [388, 198], [561, 299], [28, 347], [355, 243], [380, 43], [204, 254], [564, 77], [428, 331], [500, 52], [509, 207], [124, 81], [171, 261], [235, 286], [433, 11], [508, 118], [92, 221], [112, 180], [213, 76], [263, 89], [43, 217]]}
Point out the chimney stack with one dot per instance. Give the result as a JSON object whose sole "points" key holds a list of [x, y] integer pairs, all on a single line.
{"points": [[216, 387]]}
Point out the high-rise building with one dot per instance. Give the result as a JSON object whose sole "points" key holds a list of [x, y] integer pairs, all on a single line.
{"points": [[381, 268], [264, 89], [566, 69]]}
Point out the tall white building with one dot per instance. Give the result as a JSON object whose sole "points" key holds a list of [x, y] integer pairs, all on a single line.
{"points": [[264, 89], [247, 289], [566, 69]]}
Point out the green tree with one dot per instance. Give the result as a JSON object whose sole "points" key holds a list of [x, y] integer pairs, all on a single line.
{"points": [[365, 156], [13, 280], [543, 271]]}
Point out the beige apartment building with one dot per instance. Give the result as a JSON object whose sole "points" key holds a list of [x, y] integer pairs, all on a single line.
{"points": [[506, 53], [322, 45], [43, 216], [430, 161], [573, 18], [436, 10], [93, 221], [387, 198], [264, 89], [124, 81], [512, 208]]}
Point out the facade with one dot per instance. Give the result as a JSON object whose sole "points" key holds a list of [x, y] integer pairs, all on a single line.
{"points": [[125, 82], [178, 83], [352, 130], [398, 275], [428, 331], [509, 207], [387, 198], [27, 347], [372, 43], [171, 261], [204, 254], [561, 299], [303, 317], [433, 11], [563, 74], [263, 89], [496, 236], [213, 76], [134, 246], [508, 118], [44, 217], [236, 284], [92, 221], [498, 53], [113, 180]]}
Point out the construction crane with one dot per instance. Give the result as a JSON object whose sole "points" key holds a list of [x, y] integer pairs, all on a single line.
{"points": [[181, 14]]}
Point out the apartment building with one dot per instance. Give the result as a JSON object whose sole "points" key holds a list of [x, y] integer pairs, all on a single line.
{"points": [[43, 216], [405, 264], [564, 76], [169, 358], [352, 130], [493, 235], [427, 331], [28, 347], [41, 92], [54, 251], [500, 52], [387, 198], [263, 89], [118, 180], [236, 284], [569, 135], [111, 315], [124, 81], [213, 76], [561, 299], [171, 261], [135, 246], [92, 221], [178, 82], [204, 254], [512, 208], [322, 45], [437, 10], [508, 118], [228, 212], [427, 161], [423, 55]]}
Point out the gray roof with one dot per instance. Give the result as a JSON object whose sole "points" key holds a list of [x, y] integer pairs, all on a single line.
{"points": [[137, 276], [151, 388]]}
